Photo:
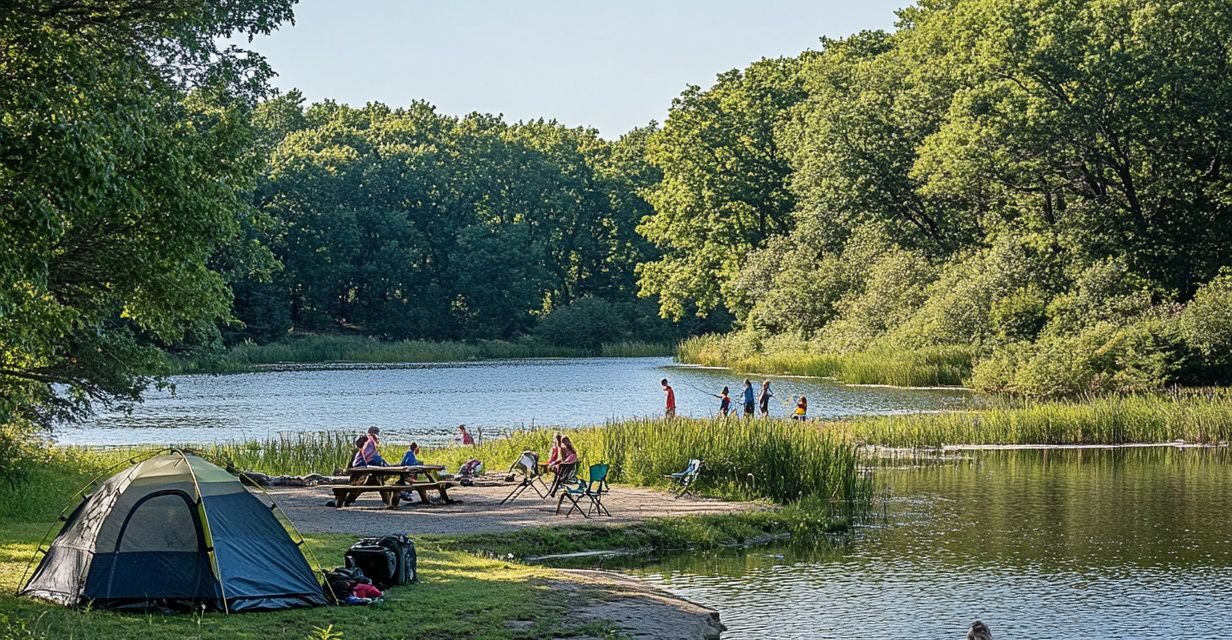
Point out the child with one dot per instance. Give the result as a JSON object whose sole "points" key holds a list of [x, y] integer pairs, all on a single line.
{"points": [[411, 457], [464, 436], [801, 412], [749, 403], [724, 403], [670, 411], [764, 399]]}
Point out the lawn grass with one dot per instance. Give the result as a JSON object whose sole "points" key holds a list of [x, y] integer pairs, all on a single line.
{"points": [[461, 595], [324, 349]]}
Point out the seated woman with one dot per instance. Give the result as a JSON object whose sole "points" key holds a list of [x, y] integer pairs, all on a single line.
{"points": [[366, 454], [565, 466], [554, 454]]}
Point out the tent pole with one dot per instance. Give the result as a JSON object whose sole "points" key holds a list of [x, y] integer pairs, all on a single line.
{"points": [[205, 529]]}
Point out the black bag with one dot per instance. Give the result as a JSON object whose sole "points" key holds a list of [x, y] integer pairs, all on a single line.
{"points": [[377, 562], [367, 555], [404, 550], [340, 580]]}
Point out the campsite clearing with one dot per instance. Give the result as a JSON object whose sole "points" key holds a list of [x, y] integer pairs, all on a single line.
{"points": [[477, 509]]}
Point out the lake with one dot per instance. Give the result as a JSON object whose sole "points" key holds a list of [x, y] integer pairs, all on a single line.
{"points": [[426, 402], [1127, 543]]}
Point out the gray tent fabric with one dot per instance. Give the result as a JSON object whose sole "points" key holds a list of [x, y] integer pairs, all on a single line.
{"points": [[174, 532]]}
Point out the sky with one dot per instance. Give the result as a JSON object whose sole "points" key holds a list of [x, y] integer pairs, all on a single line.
{"points": [[608, 64]]}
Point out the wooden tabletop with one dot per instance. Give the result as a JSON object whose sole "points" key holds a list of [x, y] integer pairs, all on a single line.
{"points": [[419, 468]]}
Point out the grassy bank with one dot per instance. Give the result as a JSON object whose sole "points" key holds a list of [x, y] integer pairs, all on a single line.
{"points": [[938, 366], [315, 349]]}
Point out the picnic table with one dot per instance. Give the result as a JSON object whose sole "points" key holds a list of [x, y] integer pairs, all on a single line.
{"points": [[377, 480]]}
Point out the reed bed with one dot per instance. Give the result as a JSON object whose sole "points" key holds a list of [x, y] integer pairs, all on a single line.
{"points": [[749, 459], [1112, 420], [358, 349], [933, 366]]}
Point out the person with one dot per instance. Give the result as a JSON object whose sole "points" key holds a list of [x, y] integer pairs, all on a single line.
{"points": [[670, 412], [411, 457], [724, 403], [368, 455], [464, 436], [749, 402], [554, 454], [764, 398], [565, 468], [801, 412], [563, 454]]}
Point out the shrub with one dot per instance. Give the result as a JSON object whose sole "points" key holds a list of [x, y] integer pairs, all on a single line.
{"points": [[1019, 316], [1206, 322], [586, 323]]}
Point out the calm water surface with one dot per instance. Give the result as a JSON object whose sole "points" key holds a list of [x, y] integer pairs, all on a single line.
{"points": [[1063, 544], [427, 402]]}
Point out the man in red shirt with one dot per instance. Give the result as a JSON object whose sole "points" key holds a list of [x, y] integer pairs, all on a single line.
{"points": [[671, 398]]}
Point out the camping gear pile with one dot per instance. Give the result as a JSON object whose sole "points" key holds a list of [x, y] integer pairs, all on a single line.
{"points": [[373, 564]]}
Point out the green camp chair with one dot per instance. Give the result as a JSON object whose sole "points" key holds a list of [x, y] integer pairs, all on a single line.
{"points": [[589, 489]]}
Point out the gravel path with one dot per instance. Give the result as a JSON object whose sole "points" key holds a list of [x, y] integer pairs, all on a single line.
{"points": [[477, 510]]}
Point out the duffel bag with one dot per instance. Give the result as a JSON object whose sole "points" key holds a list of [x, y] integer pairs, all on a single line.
{"points": [[379, 564]]}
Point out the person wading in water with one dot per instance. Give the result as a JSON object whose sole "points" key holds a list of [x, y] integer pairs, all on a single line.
{"points": [[764, 398], [749, 402]]}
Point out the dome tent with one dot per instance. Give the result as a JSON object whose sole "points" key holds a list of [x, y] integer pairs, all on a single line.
{"points": [[174, 532]]}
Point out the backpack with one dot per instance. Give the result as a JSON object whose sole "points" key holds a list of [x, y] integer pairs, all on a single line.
{"points": [[340, 580], [470, 468], [389, 560]]}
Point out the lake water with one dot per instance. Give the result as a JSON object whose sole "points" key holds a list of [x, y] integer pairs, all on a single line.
{"points": [[427, 401], [1130, 543]]}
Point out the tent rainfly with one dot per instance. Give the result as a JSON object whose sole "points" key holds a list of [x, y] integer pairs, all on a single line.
{"points": [[174, 532]]}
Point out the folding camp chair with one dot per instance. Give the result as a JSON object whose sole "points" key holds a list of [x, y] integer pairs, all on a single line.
{"points": [[684, 479], [565, 475], [527, 466], [589, 489]]}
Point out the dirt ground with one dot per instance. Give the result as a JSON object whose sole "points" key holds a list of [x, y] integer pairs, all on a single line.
{"points": [[477, 509]]}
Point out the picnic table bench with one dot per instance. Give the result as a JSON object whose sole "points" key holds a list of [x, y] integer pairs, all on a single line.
{"points": [[376, 480]]}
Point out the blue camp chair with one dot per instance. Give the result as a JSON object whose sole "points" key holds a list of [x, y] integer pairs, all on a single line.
{"points": [[590, 489], [684, 479]]}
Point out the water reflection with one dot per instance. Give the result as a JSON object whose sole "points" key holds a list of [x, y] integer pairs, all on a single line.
{"points": [[1061, 544], [427, 402]]}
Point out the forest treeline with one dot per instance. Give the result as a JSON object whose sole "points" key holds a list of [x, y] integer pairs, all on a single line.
{"points": [[403, 223], [1040, 191], [1030, 197]]}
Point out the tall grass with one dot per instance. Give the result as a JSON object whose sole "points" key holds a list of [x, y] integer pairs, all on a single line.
{"points": [[933, 366], [777, 460], [1205, 419], [357, 349]]}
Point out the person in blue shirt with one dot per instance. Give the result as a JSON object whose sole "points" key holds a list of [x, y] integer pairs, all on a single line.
{"points": [[750, 402], [411, 457]]}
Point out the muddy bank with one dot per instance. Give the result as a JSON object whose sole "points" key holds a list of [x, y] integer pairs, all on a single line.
{"points": [[635, 609]]}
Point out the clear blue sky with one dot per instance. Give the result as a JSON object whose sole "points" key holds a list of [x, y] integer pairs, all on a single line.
{"points": [[610, 64]]}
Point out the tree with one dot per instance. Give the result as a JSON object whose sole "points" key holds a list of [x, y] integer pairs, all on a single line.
{"points": [[724, 186], [125, 157]]}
